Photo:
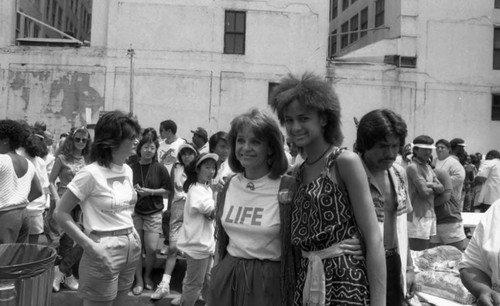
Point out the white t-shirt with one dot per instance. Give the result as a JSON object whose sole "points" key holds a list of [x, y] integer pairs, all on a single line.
{"points": [[196, 236], [490, 189], [482, 251], [457, 174], [37, 206], [167, 152], [251, 218], [107, 196]]}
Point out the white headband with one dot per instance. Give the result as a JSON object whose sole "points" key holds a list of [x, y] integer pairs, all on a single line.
{"points": [[424, 146]]}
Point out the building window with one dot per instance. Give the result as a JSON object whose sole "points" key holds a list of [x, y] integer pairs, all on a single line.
{"points": [[354, 28], [344, 39], [234, 32], [333, 44], [495, 107], [334, 7], [345, 4], [379, 12], [364, 22], [496, 49], [497, 4]]}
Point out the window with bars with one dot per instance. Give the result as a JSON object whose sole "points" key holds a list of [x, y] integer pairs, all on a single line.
{"points": [[363, 22], [234, 32], [334, 9], [496, 49], [333, 44], [344, 39], [354, 28], [379, 12], [495, 107], [497, 4], [345, 4]]}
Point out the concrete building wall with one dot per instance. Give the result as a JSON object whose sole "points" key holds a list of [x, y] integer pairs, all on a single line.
{"points": [[449, 93], [180, 70]]}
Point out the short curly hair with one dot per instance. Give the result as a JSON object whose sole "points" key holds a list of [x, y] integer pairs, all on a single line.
{"points": [[14, 132], [311, 92]]}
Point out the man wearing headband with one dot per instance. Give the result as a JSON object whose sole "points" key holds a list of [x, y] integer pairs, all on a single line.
{"points": [[423, 186]]}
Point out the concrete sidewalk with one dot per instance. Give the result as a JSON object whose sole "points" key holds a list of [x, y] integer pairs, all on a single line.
{"points": [[70, 298]]}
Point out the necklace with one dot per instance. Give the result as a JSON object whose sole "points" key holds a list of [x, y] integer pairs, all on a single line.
{"points": [[143, 178], [317, 159]]}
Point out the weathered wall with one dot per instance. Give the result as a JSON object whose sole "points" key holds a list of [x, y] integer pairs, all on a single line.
{"points": [[180, 71]]}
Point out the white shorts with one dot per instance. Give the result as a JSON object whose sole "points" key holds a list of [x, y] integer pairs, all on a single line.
{"points": [[449, 233], [422, 228]]}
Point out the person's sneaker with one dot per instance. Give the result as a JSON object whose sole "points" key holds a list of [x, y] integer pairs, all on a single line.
{"points": [[71, 283], [176, 301], [58, 279], [161, 292]]}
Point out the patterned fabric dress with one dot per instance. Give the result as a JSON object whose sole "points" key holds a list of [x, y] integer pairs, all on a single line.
{"points": [[321, 217]]}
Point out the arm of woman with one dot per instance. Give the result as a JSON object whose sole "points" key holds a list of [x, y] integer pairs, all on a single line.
{"points": [[52, 179], [62, 214], [35, 189], [353, 174]]}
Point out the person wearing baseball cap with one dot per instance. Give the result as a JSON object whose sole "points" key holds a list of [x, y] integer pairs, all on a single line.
{"points": [[200, 139], [457, 146], [423, 185]]}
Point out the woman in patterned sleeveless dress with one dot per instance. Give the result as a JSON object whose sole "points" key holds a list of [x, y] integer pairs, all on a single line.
{"points": [[332, 203]]}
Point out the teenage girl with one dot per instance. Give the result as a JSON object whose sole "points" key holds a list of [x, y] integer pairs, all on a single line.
{"points": [[332, 202]]}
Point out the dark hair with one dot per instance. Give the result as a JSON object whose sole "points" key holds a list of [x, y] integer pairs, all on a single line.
{"points": [[150, 131], [13, 131], [68, 146], [444, 142], [148, 138], [168, 125], [181, 151], [422, 139], [265, 129], [192, 174], [111, 129], [33, 144], [214, 140], [376, 126], [311, 92], [492, 154]]}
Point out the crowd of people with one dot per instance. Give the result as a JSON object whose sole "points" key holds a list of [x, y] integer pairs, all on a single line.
{"points": [[260, 220]]}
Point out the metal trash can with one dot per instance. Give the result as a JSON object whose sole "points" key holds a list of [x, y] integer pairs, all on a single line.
{"points": [[26, 274]]}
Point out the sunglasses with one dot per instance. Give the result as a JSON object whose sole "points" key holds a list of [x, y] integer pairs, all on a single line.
{"points": [[78, 139]]}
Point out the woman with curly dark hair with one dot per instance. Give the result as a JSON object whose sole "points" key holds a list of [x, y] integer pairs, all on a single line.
{"points": [[20, 185]]}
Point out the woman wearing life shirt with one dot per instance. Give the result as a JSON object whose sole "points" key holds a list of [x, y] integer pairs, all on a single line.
{"points": [[104, 190], [252, 268]]}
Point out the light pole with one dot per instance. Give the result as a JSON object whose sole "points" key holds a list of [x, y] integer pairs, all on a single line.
{"points": [[131, 53]]}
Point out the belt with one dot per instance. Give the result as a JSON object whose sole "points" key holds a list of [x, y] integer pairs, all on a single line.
{"points": [[121, 232], [391, 252]]}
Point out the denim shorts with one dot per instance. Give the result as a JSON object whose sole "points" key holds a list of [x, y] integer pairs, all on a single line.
{"points": [[449, 233], [148, 223], [102, 282]]}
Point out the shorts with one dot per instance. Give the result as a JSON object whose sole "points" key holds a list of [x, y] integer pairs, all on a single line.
{"points": [[102, 282], [35, 223], [176, 219], [422, 228], [449, 233], [148, 223]]}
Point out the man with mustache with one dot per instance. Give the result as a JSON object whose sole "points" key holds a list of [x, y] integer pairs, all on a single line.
{"points": [[380, 135]]}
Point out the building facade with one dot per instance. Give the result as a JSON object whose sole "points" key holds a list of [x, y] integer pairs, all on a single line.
{"points": [[198, 62], [435, 62]]}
